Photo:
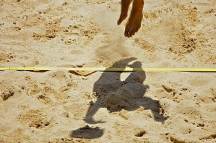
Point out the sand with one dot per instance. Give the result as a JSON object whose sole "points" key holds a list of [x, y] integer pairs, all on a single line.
{"points": [[140, 106]]}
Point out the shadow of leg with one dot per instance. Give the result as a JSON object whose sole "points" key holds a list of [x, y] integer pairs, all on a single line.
{"points": [[90, 113], [157, 110], [159, 117]]}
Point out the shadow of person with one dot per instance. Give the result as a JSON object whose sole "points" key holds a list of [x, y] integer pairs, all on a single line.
{"points": [[108, 82], [115, 95]]}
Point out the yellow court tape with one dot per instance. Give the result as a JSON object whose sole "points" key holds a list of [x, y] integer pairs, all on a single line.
{"points": [[110, 69]]}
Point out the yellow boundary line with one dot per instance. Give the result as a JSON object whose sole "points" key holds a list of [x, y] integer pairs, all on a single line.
{"points": [[110, 69]]}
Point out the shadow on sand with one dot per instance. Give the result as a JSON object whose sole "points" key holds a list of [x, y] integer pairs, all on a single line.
{"points": [[87, 132], [115, 95]]}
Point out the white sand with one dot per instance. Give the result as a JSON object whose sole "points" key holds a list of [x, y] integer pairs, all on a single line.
{"points": [[50, 106]]}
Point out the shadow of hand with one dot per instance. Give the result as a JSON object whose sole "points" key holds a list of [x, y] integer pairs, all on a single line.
{"points": [[123, 63]]}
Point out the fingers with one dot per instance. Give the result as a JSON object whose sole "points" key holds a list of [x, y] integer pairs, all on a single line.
{"points": [[124, 10]]}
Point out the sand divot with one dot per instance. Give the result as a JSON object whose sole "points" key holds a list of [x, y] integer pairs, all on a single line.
{"points": [[7, 94]]}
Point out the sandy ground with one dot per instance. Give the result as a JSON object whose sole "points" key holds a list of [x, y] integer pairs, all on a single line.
{"points": [[141, 106]]}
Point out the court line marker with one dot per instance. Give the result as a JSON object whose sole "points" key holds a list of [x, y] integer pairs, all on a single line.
{"points": [[127, 69]]}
